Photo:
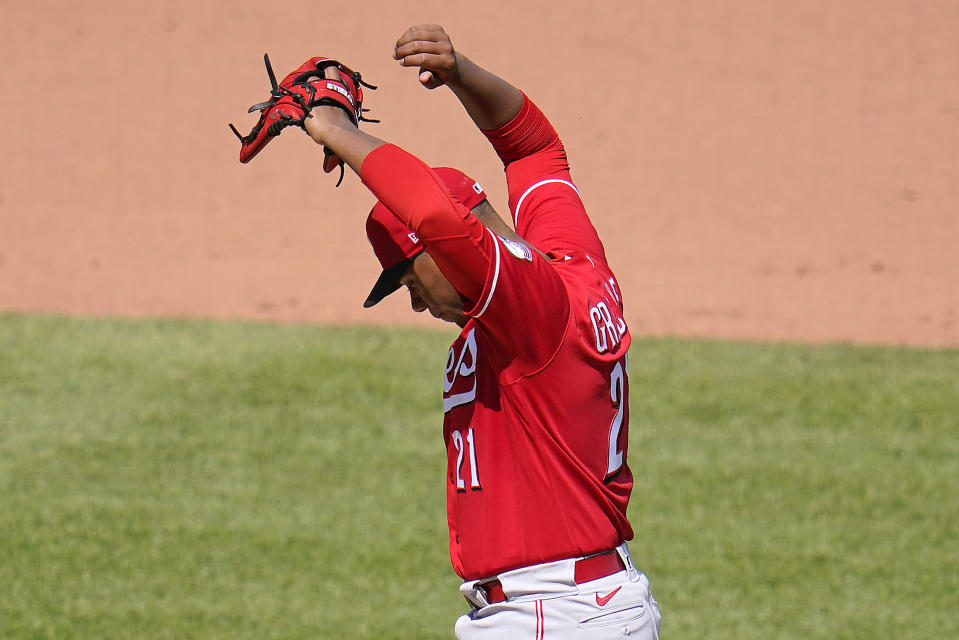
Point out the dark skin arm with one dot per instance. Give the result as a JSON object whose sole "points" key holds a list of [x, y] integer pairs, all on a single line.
{"points": [[489, 100], [331, 127]]}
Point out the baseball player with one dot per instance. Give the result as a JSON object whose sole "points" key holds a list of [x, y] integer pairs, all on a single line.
{"points": [[535, 395]]}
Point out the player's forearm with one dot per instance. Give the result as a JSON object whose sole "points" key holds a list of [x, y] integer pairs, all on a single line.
{"points": [[489, 100], [343, 138], [529, 133]]}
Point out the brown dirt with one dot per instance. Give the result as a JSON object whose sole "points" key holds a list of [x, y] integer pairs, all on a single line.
{"points": [[763, 170]]}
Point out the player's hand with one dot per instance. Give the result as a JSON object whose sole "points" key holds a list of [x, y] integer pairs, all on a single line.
{"points": [[325, 115], [428, 47]]}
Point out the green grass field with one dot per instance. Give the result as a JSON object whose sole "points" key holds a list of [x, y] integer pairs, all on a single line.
{"points": [[169, 479]]}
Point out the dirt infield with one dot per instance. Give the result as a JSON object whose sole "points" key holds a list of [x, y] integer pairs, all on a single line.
{"points": [[761, 170]]}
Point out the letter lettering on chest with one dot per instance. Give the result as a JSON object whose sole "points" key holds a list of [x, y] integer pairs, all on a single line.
{"points": [[459, 387]]}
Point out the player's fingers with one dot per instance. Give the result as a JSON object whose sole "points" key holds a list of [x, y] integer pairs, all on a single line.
{"points": [[422, 32], [423, 47], [332, 73], [428, 80], [421, 37], [414, 60], [431, 62]]}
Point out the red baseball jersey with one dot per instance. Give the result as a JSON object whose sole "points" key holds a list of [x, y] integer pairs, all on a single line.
{"points": [[535, 396]]}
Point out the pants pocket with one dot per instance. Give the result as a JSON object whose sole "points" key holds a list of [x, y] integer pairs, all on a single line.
{"points": [[628, 614]]}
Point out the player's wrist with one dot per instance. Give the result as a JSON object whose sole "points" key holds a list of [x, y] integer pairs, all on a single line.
{"points": [[456, 76], [315, 129], [324, 122]]}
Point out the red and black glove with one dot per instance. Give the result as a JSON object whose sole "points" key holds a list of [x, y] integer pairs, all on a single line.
{"points": [[292, 100]]}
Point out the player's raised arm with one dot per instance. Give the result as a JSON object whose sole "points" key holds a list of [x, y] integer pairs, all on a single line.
{"points": [[489, 100], [330, 127]]}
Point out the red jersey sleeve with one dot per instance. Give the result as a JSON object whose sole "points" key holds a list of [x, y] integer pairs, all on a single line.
{"points": [[512, 290], [545, 204], [455, 239]]}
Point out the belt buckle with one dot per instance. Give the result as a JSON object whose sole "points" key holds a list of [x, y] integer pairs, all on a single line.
{"points": [[477, 596]]}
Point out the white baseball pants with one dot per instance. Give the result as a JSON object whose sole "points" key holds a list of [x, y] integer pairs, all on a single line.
{"points": [[545, 603]]}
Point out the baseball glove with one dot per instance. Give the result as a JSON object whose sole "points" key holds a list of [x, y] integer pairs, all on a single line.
{"points": [[292, 100]]}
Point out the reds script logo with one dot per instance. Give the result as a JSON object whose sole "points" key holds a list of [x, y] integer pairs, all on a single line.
{"points": [[461, 369]]}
